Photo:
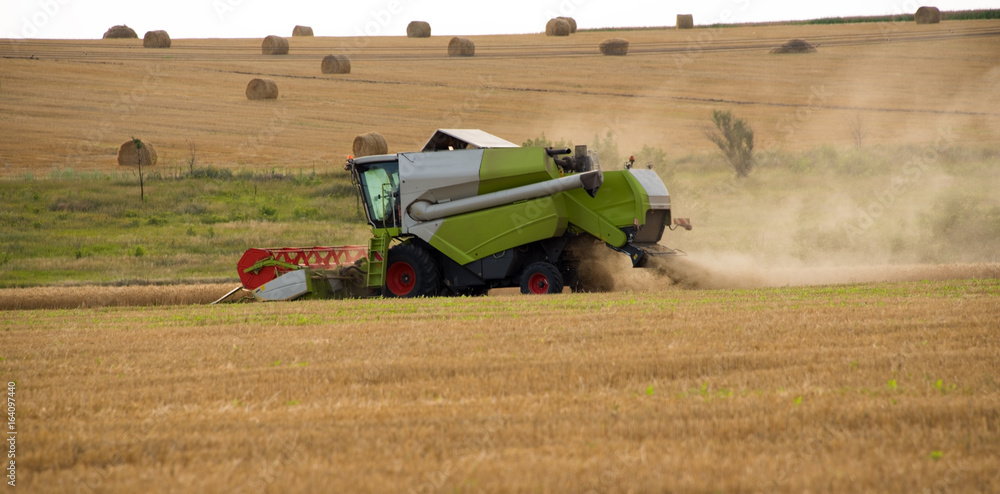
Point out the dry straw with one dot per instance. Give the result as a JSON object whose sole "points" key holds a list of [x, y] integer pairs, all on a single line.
{"points": [[75, 297], [336, 64], [461, 47], [572, 23], [614, 46], [927, 15], [557, 27], [795, 46], [274, 45], [262, 89], [369, 144], [302, 31], [418, 29], [685, 21], [129, 154], [123, 31], [156, 39]]}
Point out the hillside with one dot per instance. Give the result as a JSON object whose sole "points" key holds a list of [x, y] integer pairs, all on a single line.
{"points": [[69, 104]]}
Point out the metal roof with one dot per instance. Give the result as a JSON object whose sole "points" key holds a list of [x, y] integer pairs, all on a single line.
{"points": [[451, 139]]}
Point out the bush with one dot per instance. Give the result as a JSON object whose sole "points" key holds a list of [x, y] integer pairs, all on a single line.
{"points": [[544, 142], [268, 212], [606, 149], [734, 136]]}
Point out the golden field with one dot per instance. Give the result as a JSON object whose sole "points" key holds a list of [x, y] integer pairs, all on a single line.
{"points": [[862, 388], [70, 104]]}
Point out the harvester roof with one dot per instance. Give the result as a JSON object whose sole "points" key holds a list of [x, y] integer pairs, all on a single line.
{"points": [[451, 139]]}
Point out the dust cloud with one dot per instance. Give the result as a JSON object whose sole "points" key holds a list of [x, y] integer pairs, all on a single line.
{"points": [[731, 271]]}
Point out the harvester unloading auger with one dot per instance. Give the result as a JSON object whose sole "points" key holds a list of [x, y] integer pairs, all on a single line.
{"points": [[471, 212]]}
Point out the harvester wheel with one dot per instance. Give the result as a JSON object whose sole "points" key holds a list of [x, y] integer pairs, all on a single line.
{"points": [[412, 272], [540, 278]]}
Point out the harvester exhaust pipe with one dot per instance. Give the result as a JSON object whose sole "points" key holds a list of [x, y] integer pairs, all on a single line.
{"points": [[425, 211]]}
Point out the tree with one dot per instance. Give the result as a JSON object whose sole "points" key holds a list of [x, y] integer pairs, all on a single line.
{"points": [[138, 159], [734, 136], [606, 148], [858, 132]]}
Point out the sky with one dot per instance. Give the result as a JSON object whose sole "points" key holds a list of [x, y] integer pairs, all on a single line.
{"points": [[88, 19]]}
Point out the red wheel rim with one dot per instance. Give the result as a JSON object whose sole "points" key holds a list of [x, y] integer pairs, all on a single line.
{"points": [[401, 279], [538, 283]]}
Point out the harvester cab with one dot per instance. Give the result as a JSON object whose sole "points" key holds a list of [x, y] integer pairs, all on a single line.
{"points": [[472, 212]]}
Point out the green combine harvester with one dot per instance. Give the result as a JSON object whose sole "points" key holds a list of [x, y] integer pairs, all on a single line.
{"points": [[472, 212]]}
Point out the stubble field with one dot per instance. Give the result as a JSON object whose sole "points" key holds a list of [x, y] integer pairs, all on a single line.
{"points": [[730, 377], [879, 387]]}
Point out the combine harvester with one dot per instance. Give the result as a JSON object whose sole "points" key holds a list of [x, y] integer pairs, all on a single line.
{"points": [[471, 212]]}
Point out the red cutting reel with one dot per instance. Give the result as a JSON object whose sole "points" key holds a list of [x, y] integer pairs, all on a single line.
{"points": [[259, 266]]}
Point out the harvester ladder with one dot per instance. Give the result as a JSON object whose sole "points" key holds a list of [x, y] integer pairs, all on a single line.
{"points": [[378, 249]]}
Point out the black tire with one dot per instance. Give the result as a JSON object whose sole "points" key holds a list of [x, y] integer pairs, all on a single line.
{"points": [[411, 272], [473, 291], [541, 278]]}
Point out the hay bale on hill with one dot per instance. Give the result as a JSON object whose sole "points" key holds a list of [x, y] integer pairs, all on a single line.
{"points": [[557, 27], [129, 155], [156, 39], [615, 46], [572, 23], [120, 32], [336, 64], [369, 144], [461, 47], [262, 89], [927, 15], [302, 31], [795, 46], [274, 45], [418, 29], [685, 21]]}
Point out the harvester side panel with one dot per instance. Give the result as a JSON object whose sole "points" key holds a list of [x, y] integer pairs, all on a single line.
{"points": [[620, 200], [590, 221], [471, 236], [508, 168], [436, 177]]}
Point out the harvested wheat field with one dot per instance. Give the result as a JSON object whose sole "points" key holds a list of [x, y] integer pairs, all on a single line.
{"points": [[879, 387], [930, 77]]}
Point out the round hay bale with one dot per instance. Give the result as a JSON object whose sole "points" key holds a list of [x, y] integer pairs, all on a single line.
{"points": [[369, 144], [461, 47], [795, 46], [302, 31], [572, 23], [274, 45], [156, 39], [927, 15], [557, 27], [129, 155], [418, 29], [685, 21], [119, 32], [262, 89], [336, 64], [615, 46]]}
